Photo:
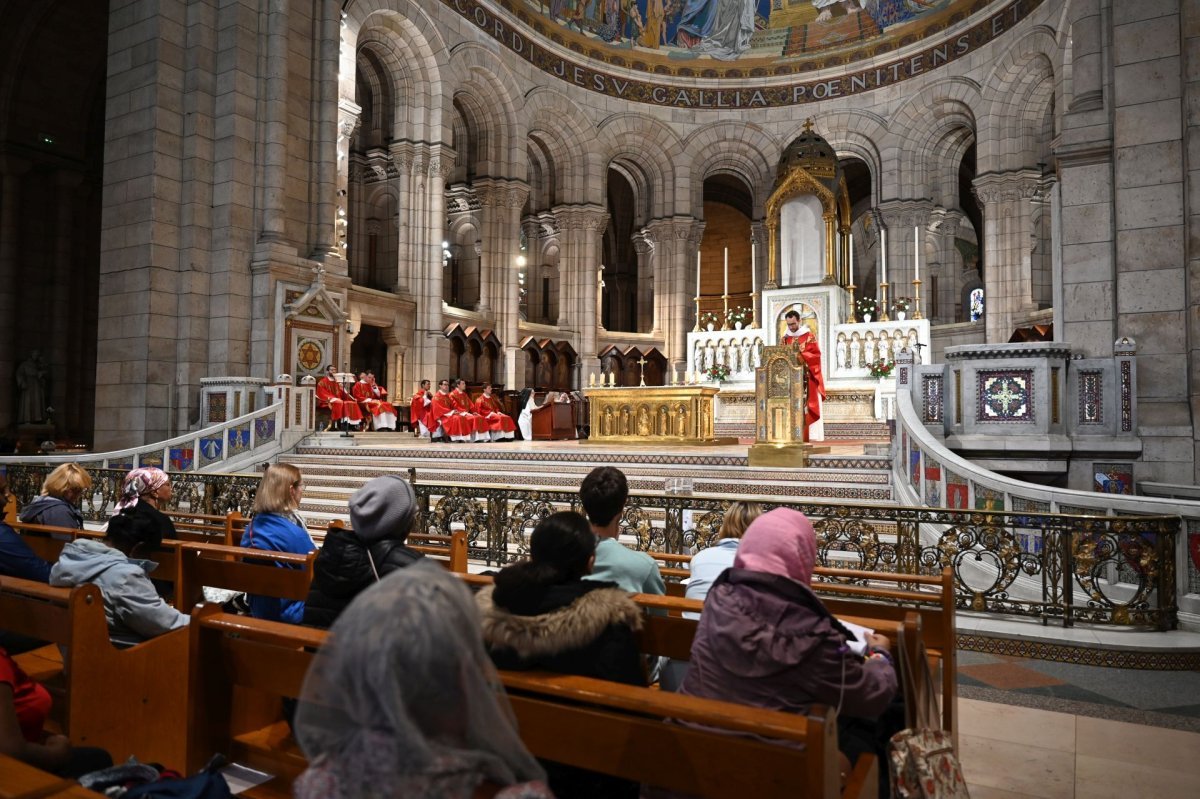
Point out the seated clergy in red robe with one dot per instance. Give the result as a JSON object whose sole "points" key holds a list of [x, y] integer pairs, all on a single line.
{"points": [[462, 401], [336, 399], [446, 419], [499, 424], [418, 409], [371, 397], [810, 353]]}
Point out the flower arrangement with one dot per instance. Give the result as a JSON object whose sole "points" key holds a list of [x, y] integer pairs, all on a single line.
{"points": [[708, 318], [881, 368], [866, 306], [902, 304], [717, 372], [740, 314]]}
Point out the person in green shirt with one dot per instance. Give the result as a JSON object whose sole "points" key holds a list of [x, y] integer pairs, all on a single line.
{"points": [[603, 494]]}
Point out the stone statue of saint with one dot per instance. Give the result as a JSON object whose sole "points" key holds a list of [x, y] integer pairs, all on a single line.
{"points": [[31, 385]]}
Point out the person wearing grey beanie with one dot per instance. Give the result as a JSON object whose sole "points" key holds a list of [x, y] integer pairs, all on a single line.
{"points": [[381, 516]]}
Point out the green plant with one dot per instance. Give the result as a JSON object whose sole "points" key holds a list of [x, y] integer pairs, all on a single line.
{"points": [[881, 368], [718, 372]]}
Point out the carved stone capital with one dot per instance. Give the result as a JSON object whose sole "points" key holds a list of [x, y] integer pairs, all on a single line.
{"points": [[581, 217], [996, 187]]}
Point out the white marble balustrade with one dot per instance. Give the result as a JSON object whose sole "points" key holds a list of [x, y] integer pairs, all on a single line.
{"points": [[739, 350], [856, 345]]}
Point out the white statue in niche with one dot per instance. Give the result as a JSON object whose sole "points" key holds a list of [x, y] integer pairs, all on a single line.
{"points": [[840, 352], [868, 350], [854, 351]]}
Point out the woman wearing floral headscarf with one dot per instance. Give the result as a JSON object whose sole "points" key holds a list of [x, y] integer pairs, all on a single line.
{"points": [[764, 639], [402, 700], [145, 492]]}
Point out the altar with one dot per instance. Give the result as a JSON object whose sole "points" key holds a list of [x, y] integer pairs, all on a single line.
{"points": [[679, 414]]}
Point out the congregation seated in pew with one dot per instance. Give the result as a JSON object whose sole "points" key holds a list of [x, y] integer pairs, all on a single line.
{"points": [[16, 558], [349, 561], [603, 494], [765, 639], [58, 503], [277, 527], [132, 606], [143, 491], [541, 614], [402, 700]]}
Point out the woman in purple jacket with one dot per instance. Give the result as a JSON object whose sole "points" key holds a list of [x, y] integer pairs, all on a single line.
{"points": [[765, 639]]}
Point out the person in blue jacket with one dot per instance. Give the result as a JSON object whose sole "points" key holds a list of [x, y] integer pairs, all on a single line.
{"points": [[277, 527], [16, 558]]}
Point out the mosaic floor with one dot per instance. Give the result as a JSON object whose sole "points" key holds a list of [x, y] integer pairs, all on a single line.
{"points": [[1138, 696]]}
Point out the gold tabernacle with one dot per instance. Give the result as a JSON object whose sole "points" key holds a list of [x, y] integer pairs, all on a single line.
{"points": [[654, 414]]}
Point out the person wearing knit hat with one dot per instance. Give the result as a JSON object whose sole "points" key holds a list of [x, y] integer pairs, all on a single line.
{"points": [[381, 516]]}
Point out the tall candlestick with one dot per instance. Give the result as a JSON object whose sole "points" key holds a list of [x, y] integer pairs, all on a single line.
{"points": [[916, 252], [726, 270], [697, 273]]}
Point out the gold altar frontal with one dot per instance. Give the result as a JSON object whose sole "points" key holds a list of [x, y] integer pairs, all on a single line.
{"points": [[653, 414]]}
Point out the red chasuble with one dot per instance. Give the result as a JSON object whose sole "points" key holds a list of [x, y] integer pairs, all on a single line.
{"points": [[341, 405], [810, 353], [497, 420]]}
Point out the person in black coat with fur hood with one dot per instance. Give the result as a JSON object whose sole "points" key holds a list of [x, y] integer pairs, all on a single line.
{"points": [[542, 614], [381, 514]]}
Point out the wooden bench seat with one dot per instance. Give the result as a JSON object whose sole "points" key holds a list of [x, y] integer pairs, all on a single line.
{"points": [[21, 781], [128, 701], [617, 729]]}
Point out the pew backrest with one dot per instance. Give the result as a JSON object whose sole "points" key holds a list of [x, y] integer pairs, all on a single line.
{"points": [[678, 742], [252, 571]]}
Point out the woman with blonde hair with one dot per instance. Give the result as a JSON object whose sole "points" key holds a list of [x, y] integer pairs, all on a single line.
{"points": [[707, 564], [58, 505], [277, 527]]}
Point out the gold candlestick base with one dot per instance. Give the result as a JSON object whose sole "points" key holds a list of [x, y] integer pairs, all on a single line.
{"points": [[917, 299], [853, 314], [883, 303], [696, 329]]}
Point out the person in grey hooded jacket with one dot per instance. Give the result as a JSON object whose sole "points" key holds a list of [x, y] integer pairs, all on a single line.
{"points": [[58, 504], [133, 608]]}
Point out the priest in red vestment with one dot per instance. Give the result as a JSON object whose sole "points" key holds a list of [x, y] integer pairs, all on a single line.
{"points": [[462, 401], [810, 353], [499, 424], [332, 396], [418, 409], [372, 398], [447, 417]]}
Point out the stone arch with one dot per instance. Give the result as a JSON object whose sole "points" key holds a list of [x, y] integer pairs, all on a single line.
{"points": [[922, 122], [657, 152], [499, 138], [735, 148], [1021, 89], [408, 44], [567, 142]]}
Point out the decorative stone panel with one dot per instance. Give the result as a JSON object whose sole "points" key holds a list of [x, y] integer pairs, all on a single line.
{"points": [[1004, 395]]}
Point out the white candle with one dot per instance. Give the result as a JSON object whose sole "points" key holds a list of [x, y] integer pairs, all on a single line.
{"points": [[883, 255], [916, 253], [753, 264], [851, 259], [697, 272], [726, 271]]}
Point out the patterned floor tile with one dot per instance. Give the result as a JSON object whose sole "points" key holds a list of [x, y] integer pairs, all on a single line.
{"points": [[1008, 676]]}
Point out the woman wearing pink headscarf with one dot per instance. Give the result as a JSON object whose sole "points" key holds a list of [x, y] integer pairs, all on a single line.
{"points": [[765, 639], [145, 491]]}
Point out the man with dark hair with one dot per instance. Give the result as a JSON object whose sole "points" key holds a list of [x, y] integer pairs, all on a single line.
{"points": [[810, 355], [603, 494]]}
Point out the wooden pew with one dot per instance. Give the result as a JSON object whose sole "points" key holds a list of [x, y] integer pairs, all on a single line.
{"points": [[22, 781], [621, 730], [252, 571], [128, 701], [47, 543]]}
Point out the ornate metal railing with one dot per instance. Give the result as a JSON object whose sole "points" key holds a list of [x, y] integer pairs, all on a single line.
{"points": [[192, 492], [1040, 565]]}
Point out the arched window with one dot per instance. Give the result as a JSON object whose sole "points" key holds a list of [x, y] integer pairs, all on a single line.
{"points": [[976, 304]]}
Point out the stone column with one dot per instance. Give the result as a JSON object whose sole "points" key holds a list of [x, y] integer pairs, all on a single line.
{"points": [[274, 129], [430, 166], [581, 227], [499, 291], [328, 123], [676, 242], [348, 114], [532, 230], [645, 288], [1005, 250], [140, 233], [758, 235]]}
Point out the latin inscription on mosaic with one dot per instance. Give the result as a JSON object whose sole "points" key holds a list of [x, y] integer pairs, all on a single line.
{"points": [[1005, 395], [714, 39]]}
